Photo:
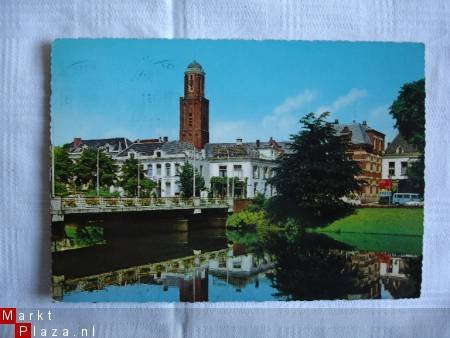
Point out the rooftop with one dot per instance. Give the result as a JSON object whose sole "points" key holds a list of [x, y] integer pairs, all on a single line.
{"points": [[115, 144], [400, 146], [195, 67], [148, 149]]}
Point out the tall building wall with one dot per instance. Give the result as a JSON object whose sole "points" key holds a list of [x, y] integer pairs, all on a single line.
{"points": [[194, 108]]}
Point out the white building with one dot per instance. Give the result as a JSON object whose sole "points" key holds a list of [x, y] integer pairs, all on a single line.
{"points": [[399, 155], [248, 166], [161, 162], [251, 164]]}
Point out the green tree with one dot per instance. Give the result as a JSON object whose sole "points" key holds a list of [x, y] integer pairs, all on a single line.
{"points": [[186, 175], [85, 168], [129, 179], [408, 110], [314, 175], [63, 165]]}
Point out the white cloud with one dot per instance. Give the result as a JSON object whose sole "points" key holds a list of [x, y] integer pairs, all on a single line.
{"points": [[283, 115], [342, 101]]}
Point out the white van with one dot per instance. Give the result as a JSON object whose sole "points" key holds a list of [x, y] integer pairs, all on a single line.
{"points": [[405, 197]]}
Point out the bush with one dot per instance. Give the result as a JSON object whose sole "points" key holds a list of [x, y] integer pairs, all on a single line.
{"points": [[247, 218], [259, 203], [103, 192]]}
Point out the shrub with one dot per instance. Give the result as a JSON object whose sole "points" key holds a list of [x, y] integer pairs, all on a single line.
{"points": [[246, 218]]}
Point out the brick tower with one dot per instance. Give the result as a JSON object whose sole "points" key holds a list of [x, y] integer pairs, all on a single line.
{"points": [[194, 107]]}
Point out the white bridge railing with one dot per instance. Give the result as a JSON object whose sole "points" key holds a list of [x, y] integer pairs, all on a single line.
{"points": [[62, 204]]}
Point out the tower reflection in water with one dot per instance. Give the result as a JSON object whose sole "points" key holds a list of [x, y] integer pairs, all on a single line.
{"points": [[208, 266]]}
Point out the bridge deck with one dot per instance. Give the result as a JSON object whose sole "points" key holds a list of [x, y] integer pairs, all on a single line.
{"points": [[82, 205]]}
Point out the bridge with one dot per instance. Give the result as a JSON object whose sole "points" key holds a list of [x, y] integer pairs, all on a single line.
{"points": [[61, 206]]}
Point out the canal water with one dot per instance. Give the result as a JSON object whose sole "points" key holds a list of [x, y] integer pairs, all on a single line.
{"points": [[217, 265]]}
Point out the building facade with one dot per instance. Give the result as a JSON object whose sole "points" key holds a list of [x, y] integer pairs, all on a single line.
{"points": [[398, 157], [162, 162], [248, 166], [366, 148]]}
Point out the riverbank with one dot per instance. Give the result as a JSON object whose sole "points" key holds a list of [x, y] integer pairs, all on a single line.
{"points": [[382, 221], [394, 230]]}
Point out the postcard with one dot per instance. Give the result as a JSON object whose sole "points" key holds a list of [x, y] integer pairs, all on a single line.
{"points": [[234, 170]]}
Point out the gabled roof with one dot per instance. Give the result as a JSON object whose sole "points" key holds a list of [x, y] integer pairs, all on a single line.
{"points": [[116, 144], [400, 146], [358, 130], [148, 149]]}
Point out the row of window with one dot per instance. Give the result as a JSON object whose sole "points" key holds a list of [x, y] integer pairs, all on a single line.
{"points": [[264, 172], [403, 168], [157, 170]]}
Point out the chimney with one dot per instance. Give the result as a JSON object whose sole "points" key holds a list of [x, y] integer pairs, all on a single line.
{"points": [[364, 123], [354, 121], [77, 142], [238, 141], [165, 139], [258, 143], [336, 121]]}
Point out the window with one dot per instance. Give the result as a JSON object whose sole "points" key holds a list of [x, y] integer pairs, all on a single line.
{"points": [[237, 171], [399, 150], [168, 186], [177, 169], [158, 169], [404, 168], [150, 170], [222, 170], [391, 168], [255, 188], [168, 166], [132, 156], [255, 171], [265, 172], [201, 170]]}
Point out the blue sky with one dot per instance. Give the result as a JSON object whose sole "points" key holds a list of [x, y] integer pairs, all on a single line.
{"points": [[257, 89]]}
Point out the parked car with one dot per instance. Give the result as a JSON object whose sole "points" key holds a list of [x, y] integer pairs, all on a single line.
{"points": [[418, 203], [403, 198]]}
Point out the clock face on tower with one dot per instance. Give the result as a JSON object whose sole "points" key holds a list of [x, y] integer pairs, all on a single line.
{"points": [[194, 107]]}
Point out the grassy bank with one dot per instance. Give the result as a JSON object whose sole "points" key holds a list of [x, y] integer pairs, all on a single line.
{"points": [[411, 245], [385, 221]]}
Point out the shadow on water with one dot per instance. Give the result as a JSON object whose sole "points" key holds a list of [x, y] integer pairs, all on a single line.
{"points": [[215, 265]]}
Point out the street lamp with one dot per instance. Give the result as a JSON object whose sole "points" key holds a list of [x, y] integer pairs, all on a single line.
{"points": [[53, 170], [98, 170], [228, 177], [138, 179], [193, 168]]}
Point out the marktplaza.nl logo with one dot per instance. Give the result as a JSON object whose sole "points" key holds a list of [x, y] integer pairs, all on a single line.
{"points": [[8, 316], [28, 324]]}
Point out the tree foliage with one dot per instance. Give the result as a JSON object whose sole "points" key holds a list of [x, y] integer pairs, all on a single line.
{"points": [[63, 165], [129, 179], [85, 168], [312, 178], [408, 110], [186, 176]]}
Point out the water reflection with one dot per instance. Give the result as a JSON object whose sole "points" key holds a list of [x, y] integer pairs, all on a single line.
{"points": [[211, 265]]}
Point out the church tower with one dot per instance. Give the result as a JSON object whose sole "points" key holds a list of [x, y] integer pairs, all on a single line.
{"points": [[194, 107]]}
